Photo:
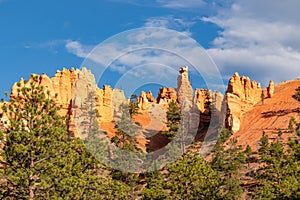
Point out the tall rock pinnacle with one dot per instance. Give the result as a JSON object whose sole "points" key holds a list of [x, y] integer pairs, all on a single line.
{"points": [[270, 89], [184, 88]]}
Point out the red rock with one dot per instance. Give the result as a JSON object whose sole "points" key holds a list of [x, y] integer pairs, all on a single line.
{"points": [[184, 88], [241, 96], [166, 95], [270, 89]]}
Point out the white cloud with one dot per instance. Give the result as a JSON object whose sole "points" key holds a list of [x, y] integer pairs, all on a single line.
{"points": [[171, 22], [75, 47], [181, 3], [172, 4], [259, 38], [51, 45], [145, 48]]}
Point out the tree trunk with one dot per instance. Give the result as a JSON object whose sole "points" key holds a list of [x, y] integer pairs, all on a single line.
{"points": [[31, 192]]}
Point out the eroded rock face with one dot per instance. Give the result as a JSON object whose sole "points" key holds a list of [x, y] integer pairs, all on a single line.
{"points": [[241, 96], [118, 98], [61, 84], [211, 106], [74, 86], [104, 103], [166, 95], [184, 89], [270, 89], [145, 100], [200, 97]]}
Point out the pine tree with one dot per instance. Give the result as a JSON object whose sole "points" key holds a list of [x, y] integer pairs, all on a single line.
{"points": [[155, 187], [297, 95], [127, 150], [264, 144], [133, 105], [207, 102], [127, 131], [40, 159], [191, 177], [249, 156], [173, 120], [228, 163], [95, 140], [262, 97], [278, 174]]}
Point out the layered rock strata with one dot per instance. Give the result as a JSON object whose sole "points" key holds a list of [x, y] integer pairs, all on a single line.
{"points": [[241, 95]]}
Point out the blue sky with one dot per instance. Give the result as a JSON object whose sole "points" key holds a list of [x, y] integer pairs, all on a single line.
{"points": [[257, 38]]}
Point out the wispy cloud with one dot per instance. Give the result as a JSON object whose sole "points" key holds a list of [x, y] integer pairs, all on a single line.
{"points": [[150, 52], [172, 4], [259, 38], [50, 45], [171, 22], [181, 4], [75, 47]]}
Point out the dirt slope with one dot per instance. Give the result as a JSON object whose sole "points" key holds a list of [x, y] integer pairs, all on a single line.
{"points": [[272, 116]]}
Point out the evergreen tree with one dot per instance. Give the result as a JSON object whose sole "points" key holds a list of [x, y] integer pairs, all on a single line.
{"points": [[262, 97], [95, 140], [293, 123], [127, 131], [249, 156], [127, 151], [297, 94], [264, 144], [133, 105], [224, 135], [228, 163], [155, 187], [207, 102], [278, 174], [40, 159], [173, 120], [191, 177]]}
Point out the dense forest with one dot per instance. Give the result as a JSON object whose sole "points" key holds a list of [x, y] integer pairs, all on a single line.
{"points": [[40, 159]]}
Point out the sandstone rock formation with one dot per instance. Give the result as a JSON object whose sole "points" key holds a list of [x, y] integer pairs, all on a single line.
{"points": [[145, 100], [204, 109], [61, 84], [184, 88], [83, 95], [166, 95], [210, 104], [118, 99], [200, 98], [73, 88], [270, 89], [241, 96], [218, 108], [104, 103], [272, 116]]}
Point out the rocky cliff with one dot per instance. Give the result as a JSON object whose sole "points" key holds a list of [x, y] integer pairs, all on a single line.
{"points": [[145, 100], [272, 116], [241, 95], [61, 84], [72, 89], [205, 108], [211, 106], [166, 95]]}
